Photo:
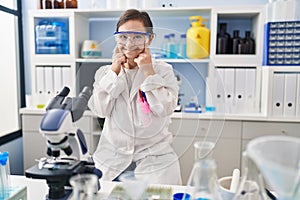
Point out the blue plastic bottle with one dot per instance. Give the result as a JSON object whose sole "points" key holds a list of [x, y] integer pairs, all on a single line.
{"points": [[164, 46], [172, 46], [182, 47]]}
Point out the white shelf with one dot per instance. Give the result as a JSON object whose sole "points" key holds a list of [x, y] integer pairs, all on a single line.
{"points": [[108, 60], [93, 60], [236, 60], [162, 12]]}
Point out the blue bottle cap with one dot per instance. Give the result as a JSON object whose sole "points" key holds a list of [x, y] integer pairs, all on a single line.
{"points": [[181, 196], [3, 158]]}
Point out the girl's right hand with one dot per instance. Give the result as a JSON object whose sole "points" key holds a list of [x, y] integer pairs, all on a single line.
{"points": [[118, 59]]}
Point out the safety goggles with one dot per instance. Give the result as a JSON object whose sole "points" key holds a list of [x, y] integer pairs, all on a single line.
{"points": [[136, 38]]}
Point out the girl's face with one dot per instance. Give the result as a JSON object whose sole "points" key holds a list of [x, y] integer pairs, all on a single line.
{"points": [[133, 44]]}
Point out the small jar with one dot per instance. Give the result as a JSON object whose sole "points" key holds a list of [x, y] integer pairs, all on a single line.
{"points": [[71, 3], [40, 4], [59, 4], [48, 4]]}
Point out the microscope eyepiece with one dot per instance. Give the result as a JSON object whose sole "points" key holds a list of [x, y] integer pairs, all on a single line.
{"points": [[53, 153], [68, 150], [64, 92], [85, 93]]}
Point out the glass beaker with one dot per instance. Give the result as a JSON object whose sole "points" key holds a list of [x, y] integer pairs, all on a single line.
{"points": [[134, 185], [203, 181], [85, 187], [252, 183]]}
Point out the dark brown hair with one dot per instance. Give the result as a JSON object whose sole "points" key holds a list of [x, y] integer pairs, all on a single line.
{"points": [[133, 14]]}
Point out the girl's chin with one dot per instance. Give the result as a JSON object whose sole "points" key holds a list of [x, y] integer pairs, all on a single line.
{"points": [[131, 54]]}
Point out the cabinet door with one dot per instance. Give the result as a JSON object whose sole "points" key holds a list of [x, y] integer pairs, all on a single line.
{"points": [[34, 147], [205, 127], [226, 153], [226, 134], [252, 130], [34, 143], [256, 129]]}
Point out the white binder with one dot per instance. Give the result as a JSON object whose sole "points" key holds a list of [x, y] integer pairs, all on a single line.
{"points": [[278, 93], [66, 77], [40, 80], [229, 90], [289, 108], [220, 91], [57, 79], [240, 90], [250, 90], [298, 96], [49, 86]]}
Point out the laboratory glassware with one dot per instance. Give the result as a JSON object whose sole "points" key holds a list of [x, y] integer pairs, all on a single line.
{"points": [[252, 186], [85, 187], [134, 184], [203, 181], [278, 159]]}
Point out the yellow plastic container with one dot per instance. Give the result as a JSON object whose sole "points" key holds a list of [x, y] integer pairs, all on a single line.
{"points": [[198, 39]]}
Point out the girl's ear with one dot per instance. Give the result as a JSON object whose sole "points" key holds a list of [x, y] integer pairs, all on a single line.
{"points": [[151, 37]]}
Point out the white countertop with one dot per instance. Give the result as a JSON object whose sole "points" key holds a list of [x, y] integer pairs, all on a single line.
{"points": [[208, 115], [37, 189]]}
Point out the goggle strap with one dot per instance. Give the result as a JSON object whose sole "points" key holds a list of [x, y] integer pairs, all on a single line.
{"points": [[131, 32]]}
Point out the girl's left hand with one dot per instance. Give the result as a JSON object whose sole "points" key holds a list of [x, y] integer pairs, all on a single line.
{"points": [[144, 62]]}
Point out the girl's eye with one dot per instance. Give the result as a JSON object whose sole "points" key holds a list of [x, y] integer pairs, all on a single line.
{"points": [[123, 37], [137, 37]]}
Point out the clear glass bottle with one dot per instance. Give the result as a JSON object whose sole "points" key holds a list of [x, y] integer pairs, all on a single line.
{"points": [[85, 187], [203, 181]]}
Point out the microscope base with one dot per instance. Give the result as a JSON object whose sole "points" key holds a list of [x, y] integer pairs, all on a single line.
{"points": [[56, 178]]}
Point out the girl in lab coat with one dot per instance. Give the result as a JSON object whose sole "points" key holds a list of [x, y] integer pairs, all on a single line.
{"points": [[136, 94]]}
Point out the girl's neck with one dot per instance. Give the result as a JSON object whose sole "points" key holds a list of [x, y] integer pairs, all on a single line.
{"points": [[130, 64]]}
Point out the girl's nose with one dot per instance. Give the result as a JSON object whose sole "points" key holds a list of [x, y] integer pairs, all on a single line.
{"points": [[129, 43]]}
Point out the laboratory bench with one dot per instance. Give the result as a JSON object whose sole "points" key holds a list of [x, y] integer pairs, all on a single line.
{"points": [[230, 132], [38, 188]]}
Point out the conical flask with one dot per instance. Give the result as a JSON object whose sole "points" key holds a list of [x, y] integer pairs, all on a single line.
{"points": [[252, 183], [202, 183]]}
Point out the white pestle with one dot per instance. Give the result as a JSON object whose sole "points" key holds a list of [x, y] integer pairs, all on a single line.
{"points": [[235, 180]]}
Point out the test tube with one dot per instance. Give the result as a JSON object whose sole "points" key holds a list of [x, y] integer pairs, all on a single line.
{"points": [[4, 175]]}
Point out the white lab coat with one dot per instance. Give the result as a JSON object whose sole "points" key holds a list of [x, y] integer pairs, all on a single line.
{"points": [[129, 135]]}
